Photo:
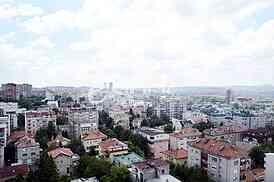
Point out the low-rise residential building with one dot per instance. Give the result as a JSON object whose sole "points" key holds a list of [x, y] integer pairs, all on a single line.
{"points": [[92, 139], [27, 151], [221, 160], [10, 109], [112, 147], [126, 159], [149, 169], [158, 140], [178, 156], [179, 139], [35, 120], [65, 160]]}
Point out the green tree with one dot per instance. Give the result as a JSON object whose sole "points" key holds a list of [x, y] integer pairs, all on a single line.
{"points": [[47, 169], [42, 137], [169, 128], [10, 153], [51, 130], [77, 147], [21, 121], [120, 174]]}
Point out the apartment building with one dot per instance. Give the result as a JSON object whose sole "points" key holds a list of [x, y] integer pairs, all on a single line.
{"points": [[9, 91], [92, 139], [27, 151], [65, 160], [3, 142], [170, 107], [10, 109], [23, 90], [221, 160], [179, 140], [38, 119], [231, 134], [158, 140], [82, 120]]}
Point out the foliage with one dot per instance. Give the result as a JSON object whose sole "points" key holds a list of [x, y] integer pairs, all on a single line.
{"points": [[47, 169], [186, 174], [202, 126], [30, 102], [257, 154], [42, 137], [105, 121], [51, 131], [169, 128], [101, 169], [61, 120], [21, 120], [91, 166], [77, 147], [154, 121], [10, 154]]}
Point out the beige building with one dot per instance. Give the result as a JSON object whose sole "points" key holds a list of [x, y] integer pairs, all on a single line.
{"points": [[178, 140], [65, 160], [111, 147], [92, 139]]}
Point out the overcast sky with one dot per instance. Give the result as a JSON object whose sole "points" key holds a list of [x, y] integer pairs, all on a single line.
{"points": [[137, 43]]}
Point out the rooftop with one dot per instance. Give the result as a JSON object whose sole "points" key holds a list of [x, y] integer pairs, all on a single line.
{"points": [[216, 147], [176, 154], [112, 144], [150, 163], [185, 132], [128, 159], [26, 142], [94, 135], [60, 151]]}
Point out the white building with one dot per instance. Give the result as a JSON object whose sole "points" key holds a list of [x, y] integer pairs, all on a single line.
{"points": [[38, 119], [83, 120], [3, 142], [10, 109], [170, 107], [221, 160], [269, 167]]}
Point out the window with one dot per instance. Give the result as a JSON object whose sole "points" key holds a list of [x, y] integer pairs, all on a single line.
{"points": [[236, 163], [214, 159]]}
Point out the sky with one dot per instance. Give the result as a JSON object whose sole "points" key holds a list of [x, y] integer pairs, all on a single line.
{"points": [[137, 43]]}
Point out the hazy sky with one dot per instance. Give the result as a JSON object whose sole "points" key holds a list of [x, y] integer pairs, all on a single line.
{"points": [[137, 43]]}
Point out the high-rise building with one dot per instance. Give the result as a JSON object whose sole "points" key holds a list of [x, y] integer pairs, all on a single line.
{"points": [[170, 107], [23, 90], [9, 91], [228, 98], [3, 141], [110, 86], [82, 120]]}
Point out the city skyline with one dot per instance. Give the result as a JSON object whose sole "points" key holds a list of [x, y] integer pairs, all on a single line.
{"points": [[137, 44]]}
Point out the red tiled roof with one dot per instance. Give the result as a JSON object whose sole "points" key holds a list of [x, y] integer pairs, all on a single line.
{"points": [[216, 147], [26, 142], [176, 154], [12, 171], [14, 136], [112, 144], [94, 135], [60, 151], [186, 132], [150, 163]]}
